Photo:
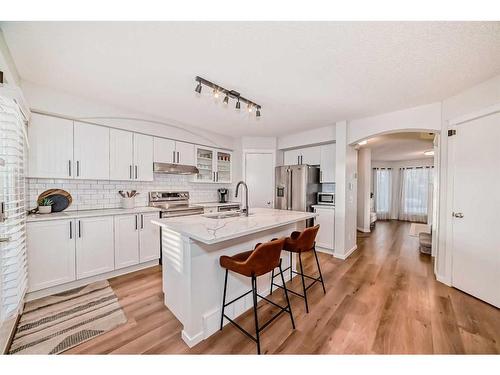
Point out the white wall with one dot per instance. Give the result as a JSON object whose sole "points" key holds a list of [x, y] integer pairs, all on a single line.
{"points": [[428, 162], [52, 101], [345, 194], [364, 189], [425, 117], [325, 134]]}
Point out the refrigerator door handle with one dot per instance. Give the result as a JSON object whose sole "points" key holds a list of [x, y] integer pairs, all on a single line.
{"points": [[290, 190]]}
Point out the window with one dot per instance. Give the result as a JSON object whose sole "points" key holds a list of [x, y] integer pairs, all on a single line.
{"points": [[415, 193], [382, 184]]}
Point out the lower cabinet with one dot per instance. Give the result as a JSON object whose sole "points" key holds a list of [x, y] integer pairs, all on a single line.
{"points": [[326, 219], [51, 253], [137, 240], [149, 238], [62, 251], [95, 251]]}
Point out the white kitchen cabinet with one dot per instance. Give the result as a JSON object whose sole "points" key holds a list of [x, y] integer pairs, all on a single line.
{"points": [[91, 151], [326, 234], [327, 166], [168, 151], [143, 157], [121, 154], [126, 240], [215, 166], [185, 153], [149, 237], [163, 150], [51, 147], [311, 155], [94, 246], [291, 157], [305, 155], [51, 253]]}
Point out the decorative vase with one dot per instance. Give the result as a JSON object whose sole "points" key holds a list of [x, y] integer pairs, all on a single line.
{"points": [[45, 209]]}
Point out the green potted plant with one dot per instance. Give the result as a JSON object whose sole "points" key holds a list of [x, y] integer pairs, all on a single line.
{"points": [[45, 205]]}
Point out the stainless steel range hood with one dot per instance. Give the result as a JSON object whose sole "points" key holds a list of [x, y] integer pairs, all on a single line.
{"points": [[171, 168]]}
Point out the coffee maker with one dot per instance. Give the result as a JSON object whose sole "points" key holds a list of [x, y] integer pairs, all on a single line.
{"points": [[223, 193]]}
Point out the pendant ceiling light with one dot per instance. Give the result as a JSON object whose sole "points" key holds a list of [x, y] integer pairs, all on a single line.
{"points": [[218, 90]]}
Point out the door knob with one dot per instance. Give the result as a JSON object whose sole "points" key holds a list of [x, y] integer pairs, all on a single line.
{"points": [[458, 215]]}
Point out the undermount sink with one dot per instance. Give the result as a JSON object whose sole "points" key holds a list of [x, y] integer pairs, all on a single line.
{"points": [[224, 215]]}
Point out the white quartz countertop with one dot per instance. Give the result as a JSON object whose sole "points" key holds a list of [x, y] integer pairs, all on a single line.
{"points": [[211, 231], [90, 213], [216, 204]]}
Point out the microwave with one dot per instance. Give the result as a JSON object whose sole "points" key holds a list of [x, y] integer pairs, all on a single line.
{"points": [[327, 199]]}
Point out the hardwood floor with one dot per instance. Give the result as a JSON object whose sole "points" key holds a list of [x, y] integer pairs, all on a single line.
{"points": [[384, 299]]}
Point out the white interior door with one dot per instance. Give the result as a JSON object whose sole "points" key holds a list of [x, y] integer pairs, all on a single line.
{"points": [[259, 176], [474, 153]]}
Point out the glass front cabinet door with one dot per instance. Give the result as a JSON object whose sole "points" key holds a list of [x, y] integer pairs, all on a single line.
{"points": [[214, 165]]}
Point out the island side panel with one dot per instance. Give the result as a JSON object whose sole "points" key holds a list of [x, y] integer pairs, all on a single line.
{"points": [[207, 280]]}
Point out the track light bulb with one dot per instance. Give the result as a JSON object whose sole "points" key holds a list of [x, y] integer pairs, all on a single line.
{"points": [[216, 94], [249, 108], [257, 113], [198, 88], [226, 99], [238, 105]]}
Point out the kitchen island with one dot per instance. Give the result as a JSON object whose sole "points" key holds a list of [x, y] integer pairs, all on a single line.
{"points": [[192, 277]]}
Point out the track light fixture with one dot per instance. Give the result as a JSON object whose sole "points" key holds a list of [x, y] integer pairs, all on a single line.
{"points": [[198, 88], [217, 90]]}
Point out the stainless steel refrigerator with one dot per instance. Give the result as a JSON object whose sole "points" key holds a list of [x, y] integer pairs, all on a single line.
{"points": [[296, 187]]}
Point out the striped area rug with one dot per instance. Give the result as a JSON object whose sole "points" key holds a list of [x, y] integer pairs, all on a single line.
{"points": [[53, 324]]}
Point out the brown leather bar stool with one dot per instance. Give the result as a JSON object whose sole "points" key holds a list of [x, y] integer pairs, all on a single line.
{"points": [[254, 263], [301, 242]]}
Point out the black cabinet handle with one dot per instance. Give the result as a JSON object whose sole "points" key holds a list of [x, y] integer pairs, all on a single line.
{"points": [[130, 170], [79, 229], [142, 221], [78, 168], [70, 230], [69, 167], [173, 156], [136, 172], [135, 222]]}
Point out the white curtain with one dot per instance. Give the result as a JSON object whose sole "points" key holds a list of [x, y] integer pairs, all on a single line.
{"points": [[415, 194], [382, 185]]}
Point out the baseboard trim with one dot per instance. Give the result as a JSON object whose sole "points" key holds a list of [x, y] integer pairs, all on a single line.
{"points": [[324, 250], [443, 279], [363, 230], [346, 255]]}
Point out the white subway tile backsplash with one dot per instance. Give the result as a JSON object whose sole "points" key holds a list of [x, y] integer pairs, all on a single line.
{"points": [[92, 194]]}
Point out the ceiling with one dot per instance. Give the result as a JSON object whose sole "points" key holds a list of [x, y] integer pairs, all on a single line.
{"points": [[400, 146], [304, 74]]}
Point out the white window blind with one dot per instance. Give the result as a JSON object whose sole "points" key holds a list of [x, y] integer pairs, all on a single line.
{"points": [[13, 268]]}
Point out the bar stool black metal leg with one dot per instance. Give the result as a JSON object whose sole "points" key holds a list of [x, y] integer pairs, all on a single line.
{"points": [[254, 292], [223, 301], [272, 280], [286, 296], [291, 268], [319, 269], [303, 282]]}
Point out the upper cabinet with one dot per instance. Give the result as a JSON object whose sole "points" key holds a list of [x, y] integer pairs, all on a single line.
{"points": [[91, 151], [327, 165], [51, 147], [143, 157], [168, 151], [131, 156], [306, 155], [215, 166]]}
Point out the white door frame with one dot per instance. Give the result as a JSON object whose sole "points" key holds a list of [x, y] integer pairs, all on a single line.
{"points": [[452, 124], [257, 151]]}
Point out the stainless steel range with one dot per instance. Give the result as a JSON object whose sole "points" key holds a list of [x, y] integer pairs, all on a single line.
{"points": [[173, 203]]}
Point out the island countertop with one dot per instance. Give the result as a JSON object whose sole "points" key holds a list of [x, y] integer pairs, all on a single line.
{"points": [[211, 231]]}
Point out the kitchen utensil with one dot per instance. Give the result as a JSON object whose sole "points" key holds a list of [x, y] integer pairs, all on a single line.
{"points": [[61, 199], [122, 194]]}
